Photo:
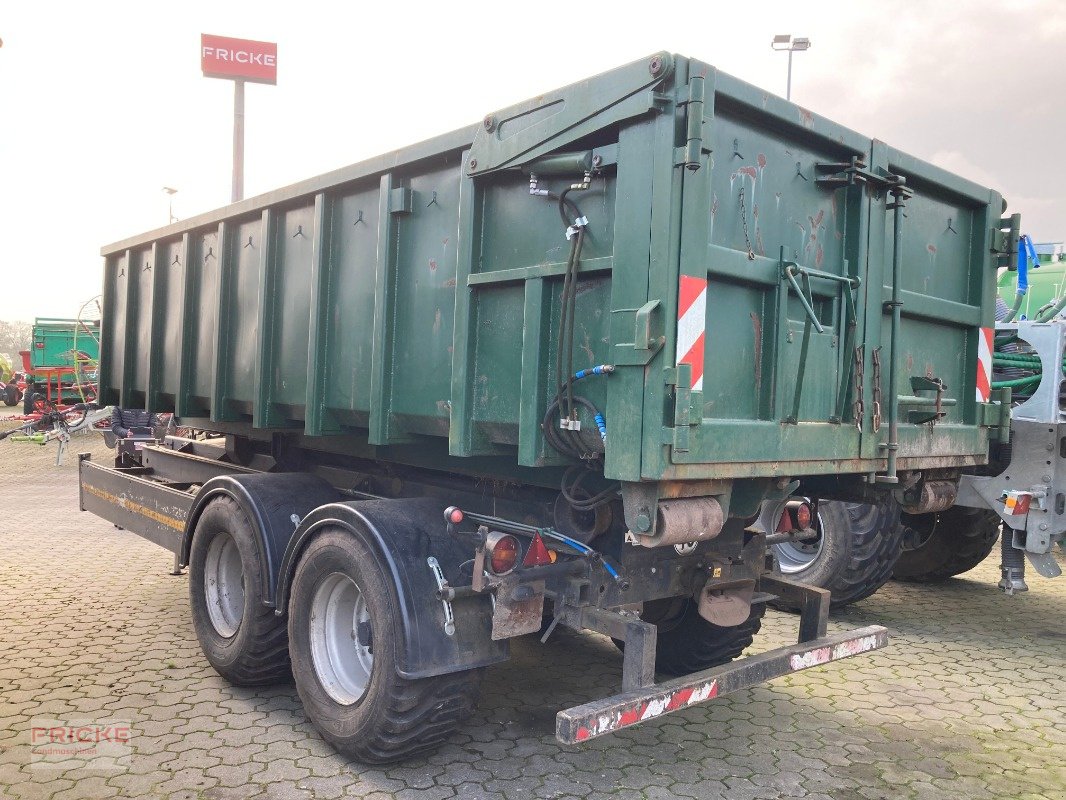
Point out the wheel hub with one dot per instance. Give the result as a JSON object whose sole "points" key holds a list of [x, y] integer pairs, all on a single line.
{"points": [[341, 638], [224, 585], [797, 556]]}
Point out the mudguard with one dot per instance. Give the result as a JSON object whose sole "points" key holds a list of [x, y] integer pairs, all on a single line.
{"points": [[275, 504], [407, 533]]}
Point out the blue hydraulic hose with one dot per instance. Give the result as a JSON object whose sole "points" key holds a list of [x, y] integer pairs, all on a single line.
{"points": [[602, 369], [581, 548]]}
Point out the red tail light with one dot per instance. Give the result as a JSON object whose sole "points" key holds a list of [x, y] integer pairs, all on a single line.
{"points": [[803, 516], [501, 551]]}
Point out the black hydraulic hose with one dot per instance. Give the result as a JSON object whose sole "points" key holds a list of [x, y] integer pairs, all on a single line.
{"points": [[571, 318], [568, 487]]}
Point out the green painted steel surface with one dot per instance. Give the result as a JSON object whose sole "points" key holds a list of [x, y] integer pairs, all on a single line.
{"points": [[407, 308], [64, 343]]}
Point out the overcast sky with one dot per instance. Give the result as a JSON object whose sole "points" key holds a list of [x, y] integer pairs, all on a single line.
{"points": [[102, 104]]}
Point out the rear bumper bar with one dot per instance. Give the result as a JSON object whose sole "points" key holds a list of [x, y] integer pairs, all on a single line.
{"points": [[611, 714]]}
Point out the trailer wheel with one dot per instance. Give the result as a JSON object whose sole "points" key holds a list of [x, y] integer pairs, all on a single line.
{"points": [[854, 556], [940, 546], [243, 639], [11, 394], [687, 643], [346, 641]]}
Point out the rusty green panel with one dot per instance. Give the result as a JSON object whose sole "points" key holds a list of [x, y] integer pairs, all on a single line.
{"points": [[412, 302]]}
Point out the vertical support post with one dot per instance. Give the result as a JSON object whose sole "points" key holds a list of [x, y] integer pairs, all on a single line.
{"points": [[263, 414], [107, 389], [220, 365], [181, 399], [892, 446], [531, 402], [129, 332], [788, 85], [155, 330], [238, 141], [460, 423], [317, 420], [384, 295]]}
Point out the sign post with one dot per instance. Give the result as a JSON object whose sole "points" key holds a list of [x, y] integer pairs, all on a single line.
{"points": [[238, 60]]}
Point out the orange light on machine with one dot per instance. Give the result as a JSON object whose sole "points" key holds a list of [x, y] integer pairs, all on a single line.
{"points": [[803, 516]]}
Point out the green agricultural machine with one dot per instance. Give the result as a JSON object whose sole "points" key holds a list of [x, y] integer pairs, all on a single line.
{"points": [[60, 367], [578, 365]]}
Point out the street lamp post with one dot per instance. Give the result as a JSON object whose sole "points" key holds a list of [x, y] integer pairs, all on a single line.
{"points": [[787, 43], [170, 203]]}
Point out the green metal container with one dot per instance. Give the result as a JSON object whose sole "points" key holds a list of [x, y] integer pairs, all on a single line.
{"points": [[737, 271], [64, 343]]}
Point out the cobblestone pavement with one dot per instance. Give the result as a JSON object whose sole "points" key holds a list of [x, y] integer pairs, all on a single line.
{"points": [[966, 702]]}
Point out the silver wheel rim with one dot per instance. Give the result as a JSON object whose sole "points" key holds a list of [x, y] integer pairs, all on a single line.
{"points": [[224, 585], [342, 664], [795, 557]]}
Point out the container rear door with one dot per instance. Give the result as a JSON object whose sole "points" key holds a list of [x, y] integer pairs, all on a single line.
{"points": [[770, 367], [947, 293]]}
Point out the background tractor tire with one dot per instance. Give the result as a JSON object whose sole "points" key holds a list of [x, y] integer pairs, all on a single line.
{"points": [[11, 394], [243, 639], [855, 555], [687, 643], [940, 546], [346, 639], [29, 399]]}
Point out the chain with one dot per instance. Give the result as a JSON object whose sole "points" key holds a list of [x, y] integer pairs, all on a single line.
{"points": [[877, 389], [859, 407], [744, 222]]}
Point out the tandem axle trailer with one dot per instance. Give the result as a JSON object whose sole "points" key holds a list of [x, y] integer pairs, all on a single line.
{"points": [[160, 499]]}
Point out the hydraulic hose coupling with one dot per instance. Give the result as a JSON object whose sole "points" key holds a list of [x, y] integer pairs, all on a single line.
{"points": [[1012, 566], [533, 187]]}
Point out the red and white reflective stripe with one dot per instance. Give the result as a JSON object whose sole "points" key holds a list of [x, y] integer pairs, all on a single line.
{"points": [[692, 326], [984, 365], [649, 709]]}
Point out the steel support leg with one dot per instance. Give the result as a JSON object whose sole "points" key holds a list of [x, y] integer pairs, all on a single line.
{"points": [[813, 604]]}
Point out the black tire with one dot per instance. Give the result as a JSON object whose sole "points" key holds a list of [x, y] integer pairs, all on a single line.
{"points": [[11, 394], [394, 718], [940, 546], [688, 643], [256, 653], [859, 548], [29, 399]]}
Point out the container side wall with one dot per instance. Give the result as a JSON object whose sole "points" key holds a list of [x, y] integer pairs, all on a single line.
{"points": [[292, 297], [350, 303], [173, 266], [242, 316], [203, 317], [424, 278]]}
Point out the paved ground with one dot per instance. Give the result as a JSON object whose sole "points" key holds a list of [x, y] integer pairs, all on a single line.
{"points": [[966, 702]]}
